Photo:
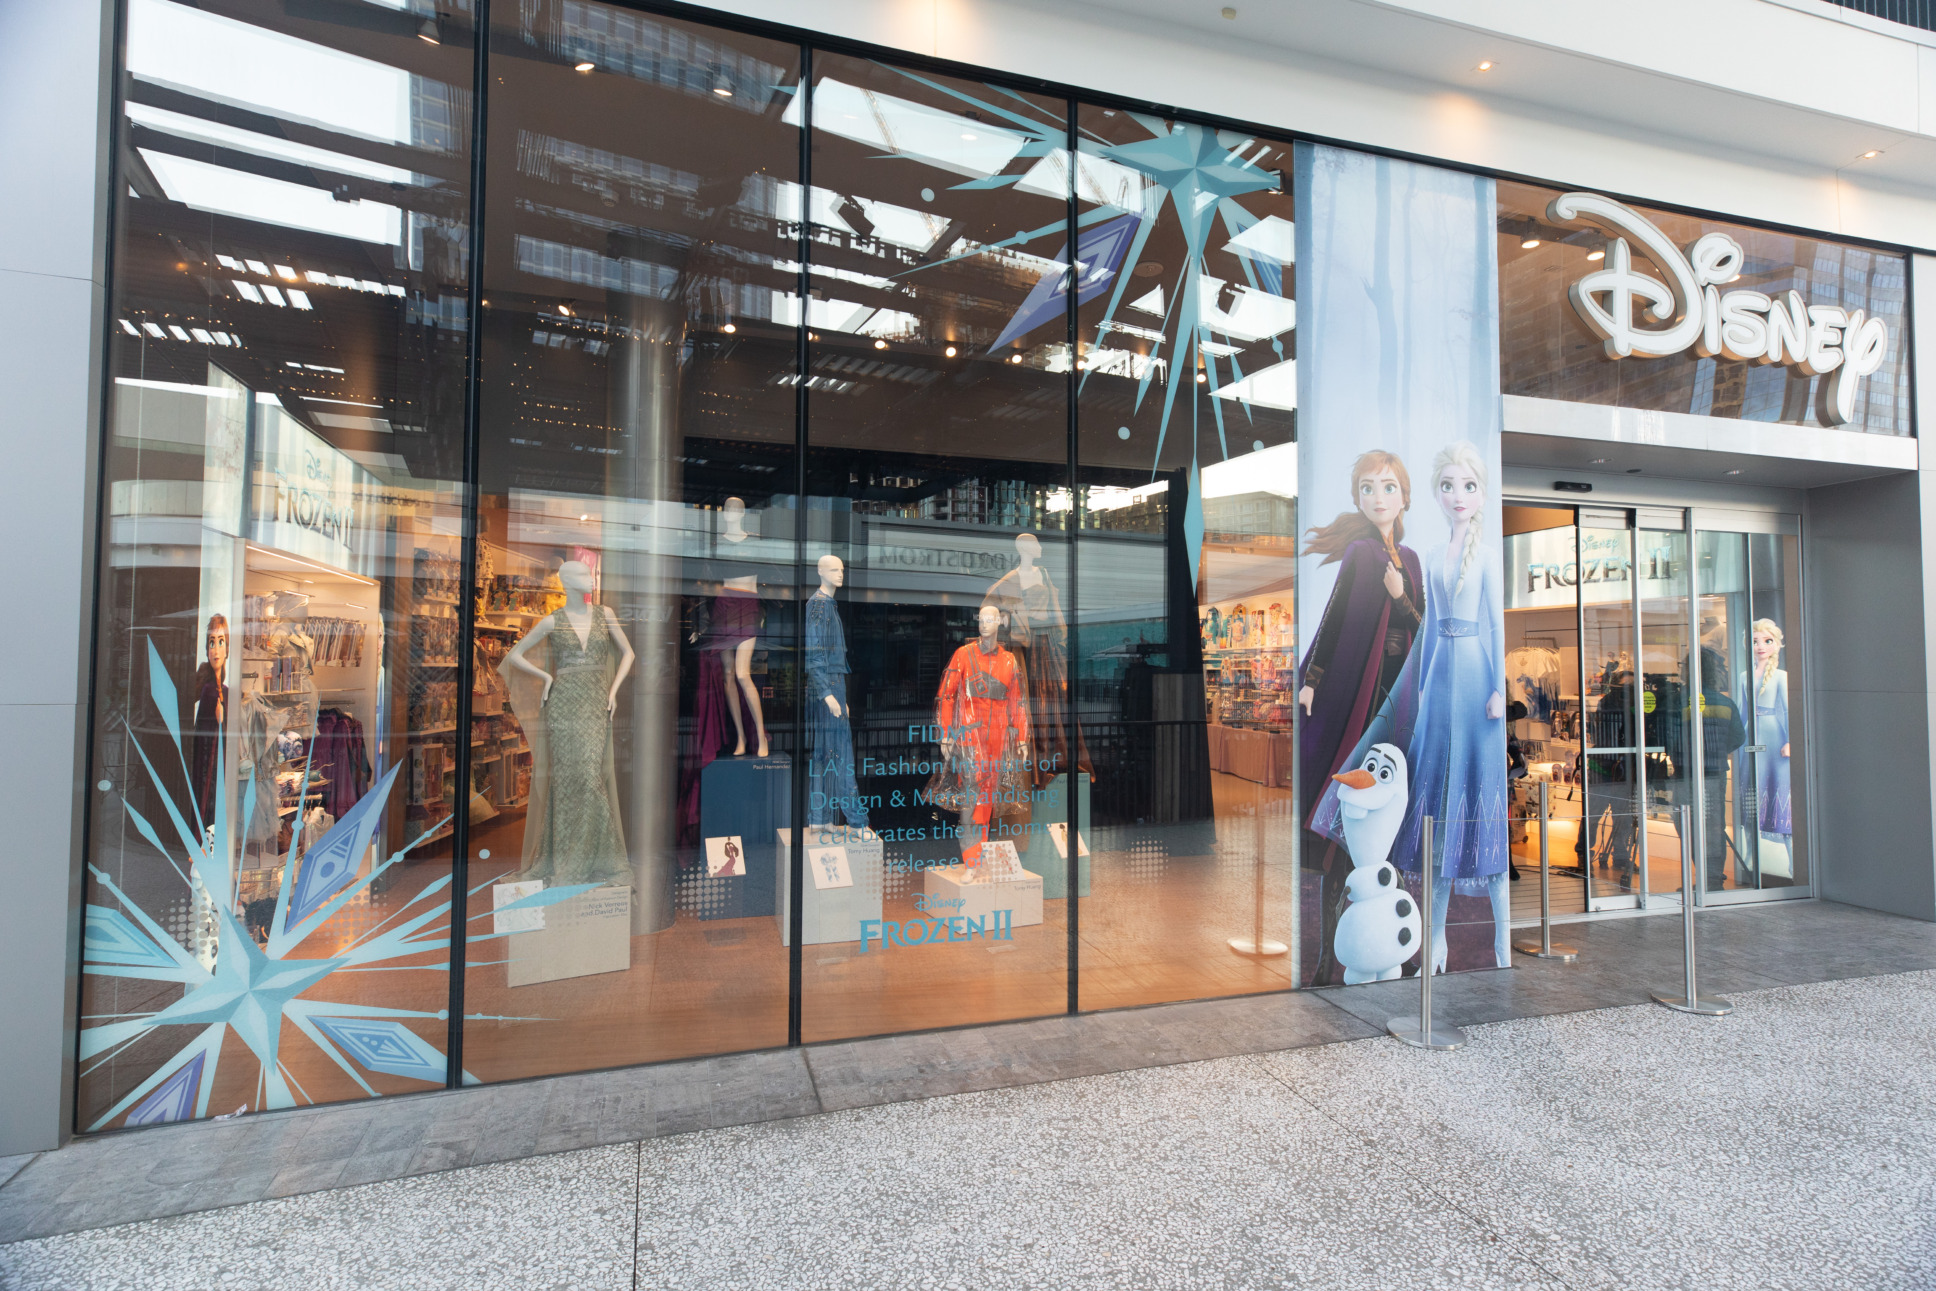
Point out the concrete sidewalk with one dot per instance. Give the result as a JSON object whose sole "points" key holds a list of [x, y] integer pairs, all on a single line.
{"points": [[1786, 1146]]}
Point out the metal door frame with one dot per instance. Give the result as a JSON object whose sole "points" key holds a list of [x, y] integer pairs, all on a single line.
{"points": [[1694, 521]]}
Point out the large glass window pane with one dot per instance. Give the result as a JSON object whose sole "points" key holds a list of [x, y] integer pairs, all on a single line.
{"points": [[634, 714], [268, 895], [1185, 648], [1748, 602], [940, 754]]}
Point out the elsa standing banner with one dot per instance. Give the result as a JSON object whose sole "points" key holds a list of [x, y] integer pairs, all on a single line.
{"points": [[1398, 573]]}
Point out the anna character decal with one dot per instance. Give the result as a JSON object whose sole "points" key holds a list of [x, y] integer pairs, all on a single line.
{"points": [[1359, 650]]}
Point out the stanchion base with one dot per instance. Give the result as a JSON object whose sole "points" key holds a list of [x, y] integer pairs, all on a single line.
{"points": [[1712, 1006], [1441, 1036], [1565, 954], [1246, 946]]}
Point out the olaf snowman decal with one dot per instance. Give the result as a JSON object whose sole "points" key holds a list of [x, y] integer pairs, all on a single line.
{"points": [[1380, 929]]}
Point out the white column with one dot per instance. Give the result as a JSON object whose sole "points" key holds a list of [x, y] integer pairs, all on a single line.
{"points": [[54, 99]]}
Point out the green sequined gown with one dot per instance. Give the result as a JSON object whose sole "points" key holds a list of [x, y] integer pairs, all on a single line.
{"points": [[576, 837]]}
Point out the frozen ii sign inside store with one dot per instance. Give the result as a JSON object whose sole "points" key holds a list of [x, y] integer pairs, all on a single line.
{"points": [[1692, 310]]}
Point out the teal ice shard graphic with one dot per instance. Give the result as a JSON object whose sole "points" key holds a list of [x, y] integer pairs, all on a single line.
{"points": [[262, 993]]}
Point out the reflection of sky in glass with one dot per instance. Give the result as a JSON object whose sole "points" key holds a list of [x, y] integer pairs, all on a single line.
{"points": [[184, 126], [912, 130], [207, 187], [232, 62]]}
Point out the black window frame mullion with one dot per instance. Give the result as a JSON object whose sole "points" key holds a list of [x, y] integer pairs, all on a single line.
{"points": [[460, 834], [1071, 727], [796, 854]]}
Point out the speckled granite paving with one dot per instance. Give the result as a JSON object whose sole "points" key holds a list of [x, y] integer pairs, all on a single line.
{"points": [[1791, 1145]]}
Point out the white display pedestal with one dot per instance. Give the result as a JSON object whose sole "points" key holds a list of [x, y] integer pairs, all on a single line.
{"points": [[833, 912], [586, 934], [1021, 897]]}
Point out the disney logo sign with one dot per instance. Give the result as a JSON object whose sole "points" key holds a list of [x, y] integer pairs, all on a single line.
{"points": [[1692, 310]]}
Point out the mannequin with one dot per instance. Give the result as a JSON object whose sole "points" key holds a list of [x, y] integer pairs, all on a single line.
{"points": [[984, 724], [572, 832], [290, 637], [1038, 637], [830, 736], [211, 713], [736, 626]]}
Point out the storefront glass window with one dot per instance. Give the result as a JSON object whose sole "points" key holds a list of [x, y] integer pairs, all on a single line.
{"points": [[1747, 358], [636, 657], [269, 872], [1186, 509], [936, 568]]}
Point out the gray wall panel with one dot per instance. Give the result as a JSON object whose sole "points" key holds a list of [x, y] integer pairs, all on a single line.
{"points": [[1869, 688]]}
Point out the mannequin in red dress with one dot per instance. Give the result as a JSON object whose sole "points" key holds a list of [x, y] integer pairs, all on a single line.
{"points": [[982, 712]]}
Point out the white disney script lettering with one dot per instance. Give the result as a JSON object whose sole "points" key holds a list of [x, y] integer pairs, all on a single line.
{"points": [[1692, 310]]}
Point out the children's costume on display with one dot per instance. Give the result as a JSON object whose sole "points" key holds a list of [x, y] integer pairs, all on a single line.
{"points": [[982, 709]]}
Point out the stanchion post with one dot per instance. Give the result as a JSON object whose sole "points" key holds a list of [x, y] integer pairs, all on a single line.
{"points": [[1544, 947], [1419, 1031], [1690, 999], [1257, 943]]}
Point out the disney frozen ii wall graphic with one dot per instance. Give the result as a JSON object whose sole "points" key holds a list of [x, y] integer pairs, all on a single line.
{"points": [[1399, 403]]}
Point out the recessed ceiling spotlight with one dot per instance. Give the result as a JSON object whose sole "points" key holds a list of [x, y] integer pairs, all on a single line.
{"points": [[1485, 65], [1201, 378], [950, 351], [1598, 461], [880, 345], [427, 32], [585, 66], [723, 91], [1872, 154], [1014, 358], [1529, 244], [1596, 255], [729, 329], [565, 310], [1735, 471]]}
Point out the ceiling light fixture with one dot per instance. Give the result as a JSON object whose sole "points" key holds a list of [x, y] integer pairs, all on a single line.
{"points": [[565, 310], [1735, 471], [1596, 255], [1529, 244], [428, 32], [1014, 358], [585, 66], [880, 345], [723, 90], [1872, 154], [950, 351], [1485, 65], [729, 329]]}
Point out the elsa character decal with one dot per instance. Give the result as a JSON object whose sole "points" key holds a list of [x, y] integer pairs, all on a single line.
{"points": [[1770, 694], [1447, 711]]}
